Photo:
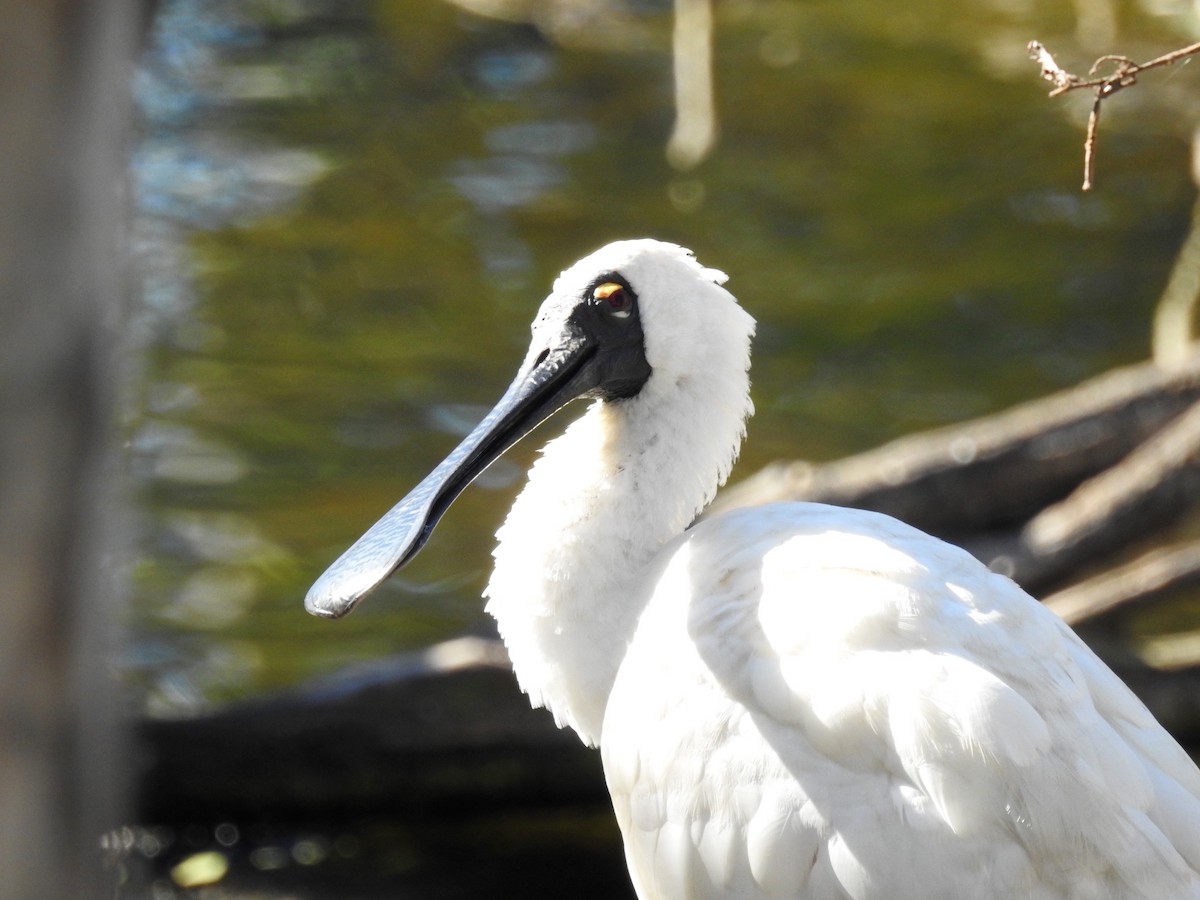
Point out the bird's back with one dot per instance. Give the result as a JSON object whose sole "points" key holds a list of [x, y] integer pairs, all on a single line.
{"points": [[826, 703]]}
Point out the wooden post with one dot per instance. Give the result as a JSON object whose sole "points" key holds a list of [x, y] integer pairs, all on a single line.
{"points": [[64, 87]]}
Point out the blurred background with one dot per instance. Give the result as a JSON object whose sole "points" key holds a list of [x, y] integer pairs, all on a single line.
{"points": [[346, 213]]}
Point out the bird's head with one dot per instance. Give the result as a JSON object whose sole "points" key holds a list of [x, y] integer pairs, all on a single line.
{"points": [[635, 319]]}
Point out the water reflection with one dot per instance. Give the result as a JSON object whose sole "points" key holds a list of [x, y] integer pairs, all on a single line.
{"points": [[192, 172]]}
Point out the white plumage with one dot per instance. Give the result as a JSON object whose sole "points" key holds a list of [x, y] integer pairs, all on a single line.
{"points": [[795, 700]]}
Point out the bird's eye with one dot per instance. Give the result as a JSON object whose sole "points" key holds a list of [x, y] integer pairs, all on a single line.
{"points": [[615, 299]]}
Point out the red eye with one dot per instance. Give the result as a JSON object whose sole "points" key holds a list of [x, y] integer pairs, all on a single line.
{"points": [[616, 299]]}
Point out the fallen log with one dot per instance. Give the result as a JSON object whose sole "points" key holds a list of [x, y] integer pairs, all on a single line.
{"points": [[1123, 506], [438, 730]]}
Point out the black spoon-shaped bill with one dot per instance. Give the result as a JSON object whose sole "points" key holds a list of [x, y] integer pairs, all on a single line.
{"points": [[555, 378], [594, 347]]}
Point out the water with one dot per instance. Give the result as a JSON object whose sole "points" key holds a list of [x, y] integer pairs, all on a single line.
{"points": [[348, 212]]}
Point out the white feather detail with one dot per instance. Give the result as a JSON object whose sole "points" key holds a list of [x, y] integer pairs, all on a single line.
{"points": [[808, 702]]}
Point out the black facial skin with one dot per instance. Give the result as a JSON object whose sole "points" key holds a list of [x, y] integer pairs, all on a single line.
{"points": [[615, 324]]}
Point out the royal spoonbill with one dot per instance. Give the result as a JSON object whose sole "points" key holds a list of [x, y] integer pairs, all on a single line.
{"points": [[793, 700]]}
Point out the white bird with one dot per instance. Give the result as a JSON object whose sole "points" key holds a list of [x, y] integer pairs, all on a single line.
{"points": [[794, 700]]}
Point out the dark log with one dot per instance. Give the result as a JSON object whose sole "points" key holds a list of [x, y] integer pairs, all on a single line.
{"points": [[994, 472], [1122, 506], [441, 730], [1157, 481]]}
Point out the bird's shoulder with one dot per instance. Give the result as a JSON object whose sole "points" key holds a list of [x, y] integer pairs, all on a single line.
{"points": [[881, 684]]}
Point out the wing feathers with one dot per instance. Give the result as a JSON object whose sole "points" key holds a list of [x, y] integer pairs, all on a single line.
{"points": [[826, 704]]}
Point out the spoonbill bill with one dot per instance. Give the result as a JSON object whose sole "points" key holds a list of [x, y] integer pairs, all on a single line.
{"points": [[793, 700]]}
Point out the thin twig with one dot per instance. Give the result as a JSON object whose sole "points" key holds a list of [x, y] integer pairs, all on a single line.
{"points": [[1089, 144], [1125, 74]]}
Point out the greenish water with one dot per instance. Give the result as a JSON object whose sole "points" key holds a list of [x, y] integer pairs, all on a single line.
{"points": [[350, 211]]}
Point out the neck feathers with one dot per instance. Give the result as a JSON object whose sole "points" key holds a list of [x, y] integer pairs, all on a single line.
{"points": [[627, 477]]}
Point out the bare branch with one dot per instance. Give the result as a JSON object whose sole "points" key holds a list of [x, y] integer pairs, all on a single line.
{"points": [[1124, 74], [1089, 145], [1051, 70], [1157, 574]]}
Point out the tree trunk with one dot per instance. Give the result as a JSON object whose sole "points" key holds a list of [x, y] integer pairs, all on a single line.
{"points": [[64, 72]]}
